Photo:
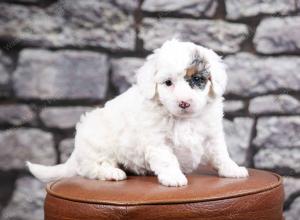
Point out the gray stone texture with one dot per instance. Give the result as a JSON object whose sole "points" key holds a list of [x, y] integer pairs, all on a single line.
{"points": [[5, 66], [66, 147], [278, 132], [194, 8], [16, 114], [238, 134], [123, 72], [294, 211], [27, 201], [270, 158], [130, 6], [21, 144], [215, 34], [278, 141], [69, 23], [5, 63], [291, 186], [278, 35], [26, 1], [62, 117], [64, 74], [231, 106], [237, 9], [274, 104], [251, 75]]}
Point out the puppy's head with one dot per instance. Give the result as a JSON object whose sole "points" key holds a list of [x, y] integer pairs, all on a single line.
{"points": [[183, 76]]}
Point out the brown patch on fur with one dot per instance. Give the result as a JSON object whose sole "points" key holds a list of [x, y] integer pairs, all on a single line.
{"points": [[211, 90], [191, 71]]}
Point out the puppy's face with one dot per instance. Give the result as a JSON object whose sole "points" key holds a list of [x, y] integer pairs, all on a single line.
{"points": [[184, 89], [181, 77]]}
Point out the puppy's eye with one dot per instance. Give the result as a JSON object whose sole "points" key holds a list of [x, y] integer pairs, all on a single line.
{"points": [[198, 79], [168, 83]]}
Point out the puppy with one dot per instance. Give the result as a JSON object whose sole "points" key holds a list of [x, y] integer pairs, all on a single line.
{"points": [[166, 124]]}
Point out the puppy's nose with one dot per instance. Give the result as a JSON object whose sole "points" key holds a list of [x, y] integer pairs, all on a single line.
{"points": [[184, 105]]}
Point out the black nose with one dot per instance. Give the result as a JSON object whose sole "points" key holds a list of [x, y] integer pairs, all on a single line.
{"points": [[184, 105]]}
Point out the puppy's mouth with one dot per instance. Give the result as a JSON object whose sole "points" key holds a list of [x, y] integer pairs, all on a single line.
{"points": [[184, 113]]}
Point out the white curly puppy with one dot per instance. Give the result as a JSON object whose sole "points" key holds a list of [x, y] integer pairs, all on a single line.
{"points": [[166, 124]]}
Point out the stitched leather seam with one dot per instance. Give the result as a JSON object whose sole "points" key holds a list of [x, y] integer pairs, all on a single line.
{"points": [[268, 188], [158, 203]]}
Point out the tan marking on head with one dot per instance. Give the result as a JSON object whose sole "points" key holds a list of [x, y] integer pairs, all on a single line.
{"points": [[191, 71]]}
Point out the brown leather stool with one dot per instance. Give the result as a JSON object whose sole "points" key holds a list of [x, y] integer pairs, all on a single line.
{"points": [[259, 197]]}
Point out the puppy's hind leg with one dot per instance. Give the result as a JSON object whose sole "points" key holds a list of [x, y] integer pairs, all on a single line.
{"points": [[104, 170]]}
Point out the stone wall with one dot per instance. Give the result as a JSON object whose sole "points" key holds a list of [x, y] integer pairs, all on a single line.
{"points": [[60, 58]]}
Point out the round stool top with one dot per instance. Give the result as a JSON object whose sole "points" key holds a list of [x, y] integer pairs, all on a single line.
{"points": [[136, 190]]}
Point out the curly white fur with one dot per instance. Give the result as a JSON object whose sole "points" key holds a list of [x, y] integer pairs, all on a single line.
{"points": [[145, 131]]}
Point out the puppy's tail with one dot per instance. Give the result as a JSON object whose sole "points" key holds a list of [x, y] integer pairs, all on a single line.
{"points": [[52, 173]]}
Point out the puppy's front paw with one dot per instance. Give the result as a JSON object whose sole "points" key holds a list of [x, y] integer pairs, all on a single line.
{"points": [[233, 171], [173, 179], [112, 173]]}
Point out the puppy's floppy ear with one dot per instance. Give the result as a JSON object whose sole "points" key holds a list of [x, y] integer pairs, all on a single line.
{"points": [[145, 77], [218, 76]]}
